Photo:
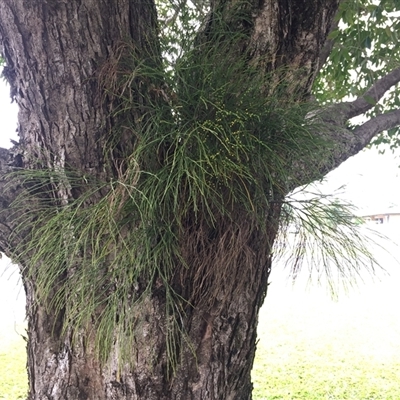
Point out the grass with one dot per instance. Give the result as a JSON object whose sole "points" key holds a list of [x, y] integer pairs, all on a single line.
{"points": [[310, 347], [13, 378]]}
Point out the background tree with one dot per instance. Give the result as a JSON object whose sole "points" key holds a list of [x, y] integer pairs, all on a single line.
{"points": [[144, 197]]}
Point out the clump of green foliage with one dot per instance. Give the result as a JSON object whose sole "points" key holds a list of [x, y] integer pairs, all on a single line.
{"points": [[367, 30], [209, 156]]}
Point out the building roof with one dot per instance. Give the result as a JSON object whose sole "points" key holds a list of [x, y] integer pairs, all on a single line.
{"points": [[379, 210]]}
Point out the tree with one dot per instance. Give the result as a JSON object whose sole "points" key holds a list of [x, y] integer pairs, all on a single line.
{"points": [[144, 197]]}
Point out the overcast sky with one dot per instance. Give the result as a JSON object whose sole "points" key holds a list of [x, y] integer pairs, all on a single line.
{"points": [[372, 180]]}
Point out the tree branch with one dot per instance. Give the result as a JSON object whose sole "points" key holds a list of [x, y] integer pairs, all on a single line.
{"points": [[366, 101], [348, 142], [341, 142], [171, 20], [367, 131]]}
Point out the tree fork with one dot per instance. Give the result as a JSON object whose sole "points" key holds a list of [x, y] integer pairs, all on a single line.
{"points": [[55, 53]]}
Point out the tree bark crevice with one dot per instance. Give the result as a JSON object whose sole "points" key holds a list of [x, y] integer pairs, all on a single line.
{"points": [[289, 37]]}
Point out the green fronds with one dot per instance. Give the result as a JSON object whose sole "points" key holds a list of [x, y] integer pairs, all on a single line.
{"points": [[323, 235], [199, 162]]}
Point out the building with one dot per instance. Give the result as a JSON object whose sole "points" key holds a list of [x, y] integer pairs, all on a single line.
{"points": [[390, 215]]}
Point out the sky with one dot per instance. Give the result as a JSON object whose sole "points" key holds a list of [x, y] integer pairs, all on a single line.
{"points": [[371, 180]]}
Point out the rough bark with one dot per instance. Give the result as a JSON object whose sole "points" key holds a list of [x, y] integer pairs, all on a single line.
{"points": [[55, 53], [292, 35]]}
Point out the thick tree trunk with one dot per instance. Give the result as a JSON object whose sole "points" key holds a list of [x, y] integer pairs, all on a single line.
{"points": [[57, 52], [215, 360]]}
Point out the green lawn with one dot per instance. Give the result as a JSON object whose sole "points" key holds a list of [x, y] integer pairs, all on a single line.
{"points": [[313, 349], [310, 347], [13, 379]]}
